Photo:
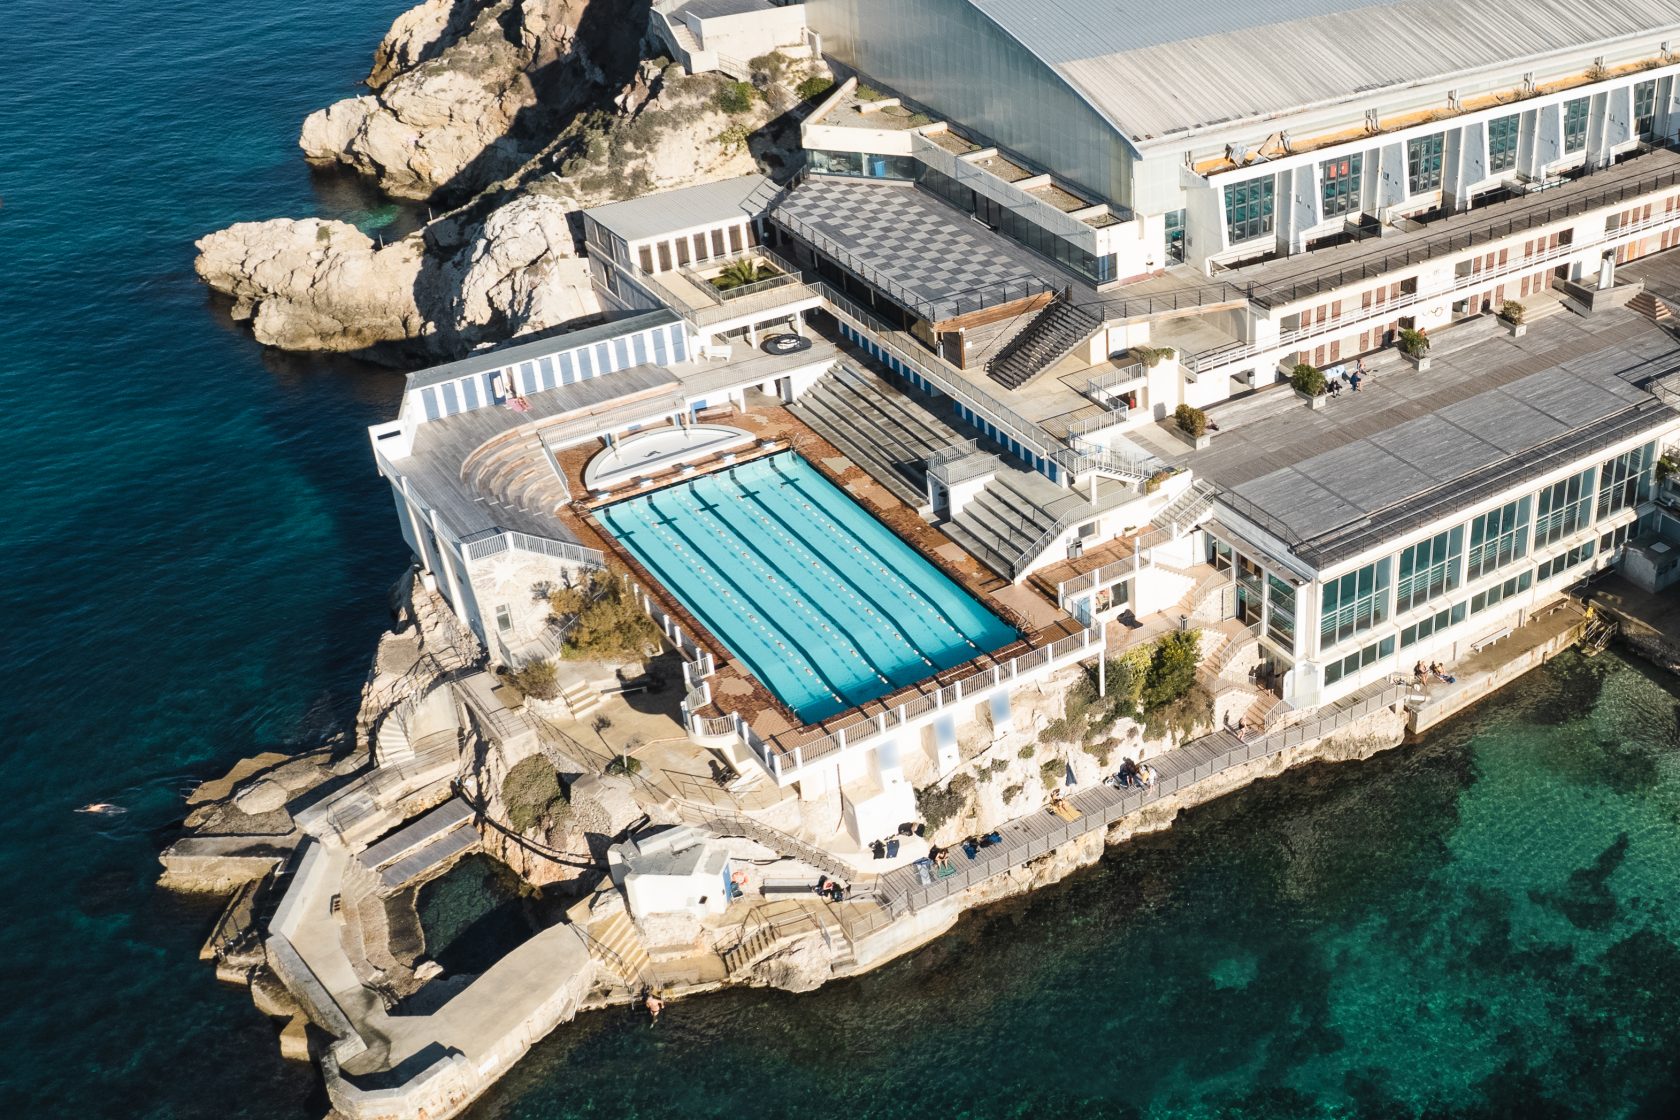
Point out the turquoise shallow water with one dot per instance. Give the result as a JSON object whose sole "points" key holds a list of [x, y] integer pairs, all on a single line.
{"points": [[825, 604], [196, 552]]}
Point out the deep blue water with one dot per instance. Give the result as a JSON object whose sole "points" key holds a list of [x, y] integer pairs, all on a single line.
{"points": [[196, 550]]}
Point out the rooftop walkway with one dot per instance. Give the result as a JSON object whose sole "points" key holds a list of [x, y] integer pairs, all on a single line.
{"points": [[1026, 838]]}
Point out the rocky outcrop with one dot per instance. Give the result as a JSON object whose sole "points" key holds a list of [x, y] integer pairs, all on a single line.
{"points": [[317, 285], [463, 93]]}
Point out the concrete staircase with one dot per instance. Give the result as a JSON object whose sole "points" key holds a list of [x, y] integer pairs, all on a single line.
{"points": [[775, 925], [1653, 307], [1001, 522], [1053, 333], [618, 947], [880, 427], [513, 472], [582, 698], [1266, 707], [1187, 510]]}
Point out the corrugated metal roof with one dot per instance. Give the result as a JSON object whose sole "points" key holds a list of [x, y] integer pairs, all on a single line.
{"points": [[1155, 69], [686, 207]]}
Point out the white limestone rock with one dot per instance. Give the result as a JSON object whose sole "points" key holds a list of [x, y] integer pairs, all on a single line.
{"points": [[801, 967], [520, 273], [261, 796]]}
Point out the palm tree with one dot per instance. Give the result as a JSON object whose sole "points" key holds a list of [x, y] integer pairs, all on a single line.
{"points": [[738, 274]]}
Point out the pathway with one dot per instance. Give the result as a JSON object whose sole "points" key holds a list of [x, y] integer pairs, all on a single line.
{"points": [[1026, 838]]}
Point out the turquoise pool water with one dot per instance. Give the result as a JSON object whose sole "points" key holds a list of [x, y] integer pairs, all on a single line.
{"points": [[826, 606]]}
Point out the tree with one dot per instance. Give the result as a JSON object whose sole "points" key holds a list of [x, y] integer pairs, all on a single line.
{"points": [[1308, 380], [1172, 668], [1191, 420], [607, 621], [738, 274], [539, 680]]}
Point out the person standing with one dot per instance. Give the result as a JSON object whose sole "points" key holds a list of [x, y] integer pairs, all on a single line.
{"points": [[654, 1006]]}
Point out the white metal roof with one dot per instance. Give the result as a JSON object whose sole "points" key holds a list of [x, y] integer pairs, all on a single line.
{"points": [[1158, 68], [655, 215]]}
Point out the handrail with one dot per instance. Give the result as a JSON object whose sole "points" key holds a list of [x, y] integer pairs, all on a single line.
{"points": [[493, 541]]}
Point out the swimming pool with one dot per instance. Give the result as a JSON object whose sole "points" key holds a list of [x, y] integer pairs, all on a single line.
{"points": [[822, 602]]}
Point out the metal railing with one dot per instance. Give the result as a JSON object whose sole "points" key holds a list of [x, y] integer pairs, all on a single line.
{"points": [[1104, 805], [1007, 290], [789, 753], [1379, 264], [1113, 417], [491, 542], [1102, 389], [998, 414]]}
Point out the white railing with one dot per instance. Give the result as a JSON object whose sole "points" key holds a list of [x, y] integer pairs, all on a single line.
{"points": [[1290, 340], [1103, 388], [491, 542], [1113, 418], [681, 642], [785, 760]]}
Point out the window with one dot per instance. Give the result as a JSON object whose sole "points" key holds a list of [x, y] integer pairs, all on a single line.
{"points": [[645, 255], [1498, 537], [1502, 143], [1251, 589], [1354, 603], [1429, 568], [1564, 508], [504, 618], [1501, 591], [1557, 565], [1625, 480], [1219, 555], [1358, 660], [682, 252], [1248, 209], [717, 243], [1280, 613], [664, 256], [1645, 109], [1340, 190], [1413, 634], [1575, 124], [1616, 538], [737, 240], [1423, 164]]}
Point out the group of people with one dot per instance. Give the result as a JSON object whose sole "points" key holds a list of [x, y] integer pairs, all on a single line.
{"points": [[1423, 674], [1134, 775], [832, 889], [1339, 378], [971, 847]]}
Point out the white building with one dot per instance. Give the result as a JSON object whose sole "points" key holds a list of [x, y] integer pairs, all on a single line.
{"points": [[677, 870]]}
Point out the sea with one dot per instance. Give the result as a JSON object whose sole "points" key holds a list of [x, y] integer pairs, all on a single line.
{"points": [[195, 554]]}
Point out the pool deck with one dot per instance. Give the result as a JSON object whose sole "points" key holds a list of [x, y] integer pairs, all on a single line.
{"points": [[734, 686]]}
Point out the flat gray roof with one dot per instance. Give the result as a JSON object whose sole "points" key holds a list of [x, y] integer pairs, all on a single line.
{"points": [[921, 251], [1154, 68], [654, 215], [536, 346], [1411, 447], [716, 9]]}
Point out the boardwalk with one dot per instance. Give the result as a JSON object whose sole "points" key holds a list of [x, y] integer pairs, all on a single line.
{"points": [[1026, 838]]}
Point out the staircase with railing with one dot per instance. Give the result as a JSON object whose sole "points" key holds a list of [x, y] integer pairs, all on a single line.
{"points": [[1052, 334]]}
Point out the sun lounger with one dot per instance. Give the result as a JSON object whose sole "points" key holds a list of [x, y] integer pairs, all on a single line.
{"points": [[924, 870], [1065, 811]]}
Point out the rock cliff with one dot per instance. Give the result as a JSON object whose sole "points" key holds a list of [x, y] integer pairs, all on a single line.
{"points": [[529, 110]]}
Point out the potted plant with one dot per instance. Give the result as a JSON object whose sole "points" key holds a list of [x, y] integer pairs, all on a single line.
{"points": [[1192, 426], [1513, 313], [1152, 356], [1414, 344], [1308, 381]]}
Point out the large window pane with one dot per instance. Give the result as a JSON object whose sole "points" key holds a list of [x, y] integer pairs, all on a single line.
{"points": [[1498, 537], [1340, 190], [1563, 508], [1429, 568], [1645, 109], [1354, 603], [1575, 124], [1248, 209], [1423, 164], [1502, 143]]}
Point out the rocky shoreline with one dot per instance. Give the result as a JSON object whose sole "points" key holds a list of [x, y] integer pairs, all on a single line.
{"points": [[507, 118]]}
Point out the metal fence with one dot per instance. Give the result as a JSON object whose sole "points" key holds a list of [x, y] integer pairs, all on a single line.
{"points": [[1104, 805], [491, 542]]}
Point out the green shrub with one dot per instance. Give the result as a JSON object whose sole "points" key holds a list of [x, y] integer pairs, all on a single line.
{"points": [[1172, 669], [939, 804], [868, 93], [1182, 716], [735, 136], [610, 622], [917, 120], [1011, 792], [1051, 771], [626, 764], [1512, 312], [539, 680], [738, 274], [1307, 379], [1414, 342], [1152, 356], [1102, 752], [1027, 752], [531, 792], [813, 87], [1156, 479], [1667, 465], [736, 97], [1191, 420]]}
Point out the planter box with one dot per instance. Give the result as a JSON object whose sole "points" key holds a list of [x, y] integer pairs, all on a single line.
{"points": [[1314, 403], [1517, 329], [1199, 443], [1419, 364]]}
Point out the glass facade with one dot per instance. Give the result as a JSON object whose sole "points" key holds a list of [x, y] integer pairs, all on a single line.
{"points": [[1625, 480], [864, 166], [1502, 143], [1575, 124], [1354, 603], [1340, 189], [1557, 565], [1434, 624], [1428, 568], [1563, 508], [1645, 109], [1501, 591], [1249, 209], [1358, 660], [1018, 228], [1423, 164], [1280, 612], [1498, 537]]}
